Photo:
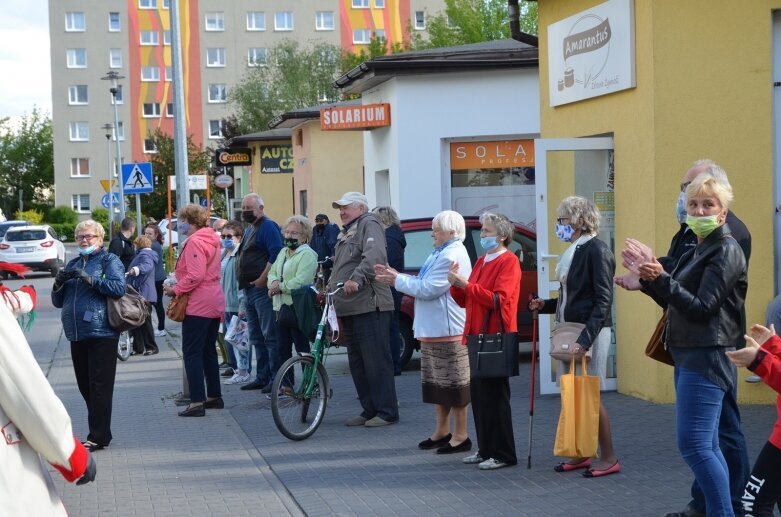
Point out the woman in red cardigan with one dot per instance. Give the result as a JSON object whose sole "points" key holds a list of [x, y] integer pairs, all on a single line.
{"points": [[495, 272]]}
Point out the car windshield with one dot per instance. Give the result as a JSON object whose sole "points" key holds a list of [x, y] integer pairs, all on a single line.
{"points": [[26, 235]]}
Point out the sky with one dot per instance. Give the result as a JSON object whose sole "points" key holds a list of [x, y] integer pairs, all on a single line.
{"points": [[25, 69]]}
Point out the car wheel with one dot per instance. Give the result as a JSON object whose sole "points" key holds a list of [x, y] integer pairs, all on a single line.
{"points": [[408, 342]]}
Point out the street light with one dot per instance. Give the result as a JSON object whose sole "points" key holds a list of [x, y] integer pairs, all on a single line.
{"points": [[107, 128], [114, 77]]}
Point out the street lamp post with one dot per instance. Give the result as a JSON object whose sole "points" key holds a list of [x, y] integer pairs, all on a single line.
{"points": [[114, 77], [107, 128]]}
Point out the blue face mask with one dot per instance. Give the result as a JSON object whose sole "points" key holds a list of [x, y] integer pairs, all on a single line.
{"points": [[564, 232], [227, 243], [488, 243], [184, 228], [680, 208], [87, 251]]}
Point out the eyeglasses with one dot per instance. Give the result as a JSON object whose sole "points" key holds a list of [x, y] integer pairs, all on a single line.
{"points": [[291, 233], [227, 236], [561, 220], [85, 237], [684, 185]]}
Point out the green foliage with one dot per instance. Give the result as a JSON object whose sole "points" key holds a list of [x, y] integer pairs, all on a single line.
{"points": [[200, 161], [65, 229], [377, 47], [100, 215], [26, 160], [34, 216], [169, 259], [63, 214]]}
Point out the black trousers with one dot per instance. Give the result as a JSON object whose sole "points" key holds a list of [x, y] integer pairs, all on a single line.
{"points": [[763, 489], [95, 366], [493, 419], [200, 356], [159, 306], [144, 336]]}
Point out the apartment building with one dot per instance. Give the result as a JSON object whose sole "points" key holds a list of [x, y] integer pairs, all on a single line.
{"points": [[220, 42]]}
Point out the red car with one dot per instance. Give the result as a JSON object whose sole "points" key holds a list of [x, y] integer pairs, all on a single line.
{"points": [[419, 241]]}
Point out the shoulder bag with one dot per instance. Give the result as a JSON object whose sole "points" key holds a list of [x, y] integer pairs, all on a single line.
{"points": [[127, 312], [564, 336], [656, 348], [493, 355], [178, 305]]}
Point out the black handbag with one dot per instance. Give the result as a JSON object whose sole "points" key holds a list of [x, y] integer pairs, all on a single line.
{"points": [[493, 355]]}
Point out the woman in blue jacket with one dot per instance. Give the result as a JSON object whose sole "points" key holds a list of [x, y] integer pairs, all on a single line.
{"points": [[81, 290]]}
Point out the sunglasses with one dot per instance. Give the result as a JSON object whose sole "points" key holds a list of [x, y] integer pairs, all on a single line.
{"points": [[228, 236]]}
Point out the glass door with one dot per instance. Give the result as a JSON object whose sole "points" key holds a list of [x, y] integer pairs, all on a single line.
{"points": [[565, 167]]}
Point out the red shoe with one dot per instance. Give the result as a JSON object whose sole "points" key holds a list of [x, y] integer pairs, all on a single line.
{"points": [[567, 467], [613, 469]]}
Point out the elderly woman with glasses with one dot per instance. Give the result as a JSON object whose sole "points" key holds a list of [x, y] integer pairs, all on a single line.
{"points": [[81, 290]]}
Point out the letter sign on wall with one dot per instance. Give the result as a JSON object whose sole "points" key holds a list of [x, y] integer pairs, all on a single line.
{"points": [[367, 116], [276, 158]]}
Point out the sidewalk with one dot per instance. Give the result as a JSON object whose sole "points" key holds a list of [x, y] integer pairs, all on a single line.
{"points": [[235, 462]]}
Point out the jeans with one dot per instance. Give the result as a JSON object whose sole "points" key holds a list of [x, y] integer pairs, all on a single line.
{"points": [[262, 333], [200, 356], [732, 443], [697, 413], [287, 337], [95, 366], [370, 363], [395, 334]]}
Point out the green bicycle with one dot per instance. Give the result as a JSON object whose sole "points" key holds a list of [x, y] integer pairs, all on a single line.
{"points": [[301, 388]]}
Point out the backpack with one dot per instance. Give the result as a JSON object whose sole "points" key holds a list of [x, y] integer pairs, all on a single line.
{"points": [[127, 312]]}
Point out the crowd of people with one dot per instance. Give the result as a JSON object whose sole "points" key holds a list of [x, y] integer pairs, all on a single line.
{"points": [[253, 272]]}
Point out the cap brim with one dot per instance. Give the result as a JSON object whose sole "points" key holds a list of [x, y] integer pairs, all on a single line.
{"points": [[339, 204]]}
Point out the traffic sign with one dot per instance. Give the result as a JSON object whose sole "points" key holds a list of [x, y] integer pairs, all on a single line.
{"points": [[137, 178], [107, 186], [194, 182], [105, 200]]}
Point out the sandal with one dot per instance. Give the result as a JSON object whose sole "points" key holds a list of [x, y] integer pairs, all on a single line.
{"points": [[567, 467], [92, 446], [615, 468]]}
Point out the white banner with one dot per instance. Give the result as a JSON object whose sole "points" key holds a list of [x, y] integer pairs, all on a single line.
{"points": [[194, 182]]}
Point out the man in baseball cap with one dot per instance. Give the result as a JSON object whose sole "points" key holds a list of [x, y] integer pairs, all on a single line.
{"points": [[349, 198]]}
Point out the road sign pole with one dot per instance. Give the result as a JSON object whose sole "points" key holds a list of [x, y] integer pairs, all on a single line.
{"points": [[139, 228]]}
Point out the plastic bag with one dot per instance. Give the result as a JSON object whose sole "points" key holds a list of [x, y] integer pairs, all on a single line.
{"points": [[237, 334]]}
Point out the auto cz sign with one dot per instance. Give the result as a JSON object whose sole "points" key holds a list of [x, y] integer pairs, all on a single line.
{"points": [[276, 158]]}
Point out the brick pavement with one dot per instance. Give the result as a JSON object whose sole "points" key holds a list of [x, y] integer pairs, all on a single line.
{"points": [[235, 461]]}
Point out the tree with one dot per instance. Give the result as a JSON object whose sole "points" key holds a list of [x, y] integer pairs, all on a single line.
{"points": [[26, 161], [199, 160], [295, 77]]}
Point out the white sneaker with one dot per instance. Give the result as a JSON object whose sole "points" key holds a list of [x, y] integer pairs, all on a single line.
{"points": [[472, 459], [237, 379], [492, 464], [160, 333], [753, 378]]}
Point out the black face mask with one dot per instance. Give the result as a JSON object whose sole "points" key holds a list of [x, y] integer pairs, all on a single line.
{"points": [[248, 216], [292, 243]]}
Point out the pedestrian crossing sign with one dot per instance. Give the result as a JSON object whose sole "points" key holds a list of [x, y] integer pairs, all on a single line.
{"points": [[137, 178]]}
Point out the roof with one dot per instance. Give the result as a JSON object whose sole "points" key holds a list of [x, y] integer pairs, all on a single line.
{"points": [[497, 54], [295, 117], [262, 136]]}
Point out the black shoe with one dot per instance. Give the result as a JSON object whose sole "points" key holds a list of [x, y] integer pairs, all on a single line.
{"points": [[228, 373], [266, 388], [196, 410], [217, 403], [151, 352], [254, 385], [428, 443], [92, 446], [464, 446]]}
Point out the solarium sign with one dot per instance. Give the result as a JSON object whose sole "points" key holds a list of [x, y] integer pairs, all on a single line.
{"points": [[592, 53]]}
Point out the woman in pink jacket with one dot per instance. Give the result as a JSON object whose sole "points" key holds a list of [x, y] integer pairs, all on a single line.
{"points": [[198, 274]]}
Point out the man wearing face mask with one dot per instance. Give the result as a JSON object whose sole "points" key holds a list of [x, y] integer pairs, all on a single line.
{"points": [[731, 439], [324, 236], [259, 248]]}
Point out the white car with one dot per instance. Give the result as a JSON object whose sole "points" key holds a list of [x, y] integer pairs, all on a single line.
{"points": [[163, 225], [37, 247]]}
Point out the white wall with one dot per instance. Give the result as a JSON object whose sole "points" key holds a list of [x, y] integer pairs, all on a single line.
{"points": [[429, 111]]}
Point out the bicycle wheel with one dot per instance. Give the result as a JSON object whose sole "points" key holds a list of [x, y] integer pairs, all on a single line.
{"points": [[296, 413], [125, 346]]}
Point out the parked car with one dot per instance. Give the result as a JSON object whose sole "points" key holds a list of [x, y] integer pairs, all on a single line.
{"points": [[5, 225], [418, 235], [37, 247], [163, 225]]}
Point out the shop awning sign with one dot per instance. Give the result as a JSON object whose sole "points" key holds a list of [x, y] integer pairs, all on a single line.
{"points": [[367, 116], [491, 155], [592, 53], [233, 156], [276, 159]]}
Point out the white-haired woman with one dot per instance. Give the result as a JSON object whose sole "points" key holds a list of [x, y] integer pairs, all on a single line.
{"points": [[81, 290], [294, 267], [585, 272], [439, 326], [703, 298]]}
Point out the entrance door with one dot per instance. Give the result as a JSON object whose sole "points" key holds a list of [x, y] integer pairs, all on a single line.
{"points": [[565, 167]]}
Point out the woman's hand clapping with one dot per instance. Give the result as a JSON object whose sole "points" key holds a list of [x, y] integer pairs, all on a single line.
{"points": [[745, 356]]}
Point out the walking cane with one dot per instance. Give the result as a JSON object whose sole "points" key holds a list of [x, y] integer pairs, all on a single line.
{"points": [[535, 319]]}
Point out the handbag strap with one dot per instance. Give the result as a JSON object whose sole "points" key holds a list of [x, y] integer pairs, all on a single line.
{"points": [[496, 309]]}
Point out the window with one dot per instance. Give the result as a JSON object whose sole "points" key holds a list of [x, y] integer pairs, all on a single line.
{"points": [[256, 56], [360, 4], [77, 94], [169, 110], [80, 203], [169, 74], [361, 36], [420, 20], [114, 25], [283, 21], [121, 128], [218, 93], [379, 33], [151, 38], [119, 96], [79, 131], [149, 146], [215, 21], [166, 4], [167, 38], [147, 4], [74, 22], [256, 21], [151, 109], [324, 20], [215, 129], [76, 57], [115, 58], [215, 57], [379, 4], [150, 73], [79, 167]]}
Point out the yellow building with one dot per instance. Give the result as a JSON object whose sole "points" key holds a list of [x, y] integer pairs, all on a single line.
{"points": [[697, 82]]}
